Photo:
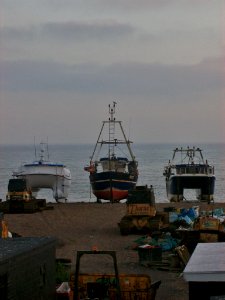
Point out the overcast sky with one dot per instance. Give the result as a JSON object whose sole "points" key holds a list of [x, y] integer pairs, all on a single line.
{"points": [[63, 61]]}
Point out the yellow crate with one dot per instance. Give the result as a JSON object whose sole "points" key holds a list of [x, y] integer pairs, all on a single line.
{"points": [[209, 223], [209, 237]]}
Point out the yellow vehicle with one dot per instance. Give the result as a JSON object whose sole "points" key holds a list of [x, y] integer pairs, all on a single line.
{"points": [[141, 215], [20, 199], [17, 190]]}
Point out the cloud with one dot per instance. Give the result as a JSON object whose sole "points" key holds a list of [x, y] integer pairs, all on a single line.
{"points": [[92, 30], [19, 33], [97, 30], [115, 4], [124, 78], [134, 5]]}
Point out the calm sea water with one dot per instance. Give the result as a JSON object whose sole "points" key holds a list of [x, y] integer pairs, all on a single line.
{"points": [[151, 159]]}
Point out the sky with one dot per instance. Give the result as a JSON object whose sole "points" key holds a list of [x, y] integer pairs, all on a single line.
{"points": [[62, 62]]}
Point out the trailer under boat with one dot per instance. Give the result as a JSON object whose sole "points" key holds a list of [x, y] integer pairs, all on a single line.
{"points": [[112, 175], [191, 172]]}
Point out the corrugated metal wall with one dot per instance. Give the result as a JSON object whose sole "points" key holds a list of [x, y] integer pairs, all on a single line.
{"points": [[27, 268]]}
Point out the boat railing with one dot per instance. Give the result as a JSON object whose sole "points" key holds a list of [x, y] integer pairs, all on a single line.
{"points": [[194, 169]]}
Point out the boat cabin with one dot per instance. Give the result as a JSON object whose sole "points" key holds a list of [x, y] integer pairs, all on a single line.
{"points": [[117, 164], [194, 169]]}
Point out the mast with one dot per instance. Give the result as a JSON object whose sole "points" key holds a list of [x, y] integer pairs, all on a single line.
{"points": [[127, 142], [111, 145], [42, 151], [35, 150], [97, 141], [112, 141], [112, 129]]}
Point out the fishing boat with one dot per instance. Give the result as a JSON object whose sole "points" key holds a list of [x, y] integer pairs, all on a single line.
{"points": [[44, 174], [189, 171], [112, 175]]}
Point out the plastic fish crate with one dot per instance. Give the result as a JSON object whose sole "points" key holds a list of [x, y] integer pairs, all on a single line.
{"points": [[208, 223], [150, 254]]}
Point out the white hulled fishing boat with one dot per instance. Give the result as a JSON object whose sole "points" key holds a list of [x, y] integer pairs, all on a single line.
{"points": [[44, 174]]}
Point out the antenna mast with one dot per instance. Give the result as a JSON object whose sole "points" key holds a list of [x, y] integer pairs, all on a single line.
{"points": [[112, 119], [35, 151]]}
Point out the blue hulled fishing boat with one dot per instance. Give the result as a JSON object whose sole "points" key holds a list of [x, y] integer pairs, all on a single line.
{"points": [[112, 175]]}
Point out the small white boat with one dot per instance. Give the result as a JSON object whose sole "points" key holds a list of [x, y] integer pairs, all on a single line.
{"points": [[44, 174]]}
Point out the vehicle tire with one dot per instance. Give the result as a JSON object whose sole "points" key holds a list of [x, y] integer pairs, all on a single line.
{"points": [[125, 228]]}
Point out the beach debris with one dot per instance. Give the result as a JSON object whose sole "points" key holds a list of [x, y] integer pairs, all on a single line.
{"points": [[165, 242], [177, 239], [64, 289]]}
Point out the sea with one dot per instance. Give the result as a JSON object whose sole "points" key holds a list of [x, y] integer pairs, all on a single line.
{"points": [[152, 158]]}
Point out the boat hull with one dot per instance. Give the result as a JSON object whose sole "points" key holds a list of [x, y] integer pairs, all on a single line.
{"points": [[203, 184], [45, 176], [112, 186]]}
